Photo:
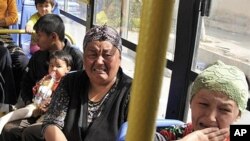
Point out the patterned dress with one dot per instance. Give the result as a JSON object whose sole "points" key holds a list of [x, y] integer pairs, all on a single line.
{"points": [[177, 132]]}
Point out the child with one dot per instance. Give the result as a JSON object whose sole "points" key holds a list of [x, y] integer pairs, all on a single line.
{"points": [[43, 7], [60, 63]]}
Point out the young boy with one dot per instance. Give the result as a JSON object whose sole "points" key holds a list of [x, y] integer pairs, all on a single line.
{"points": [[51, 32], [43, 7], [60, 64]]}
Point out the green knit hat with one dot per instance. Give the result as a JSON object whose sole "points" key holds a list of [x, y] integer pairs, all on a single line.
{"points": [[226, 79]]}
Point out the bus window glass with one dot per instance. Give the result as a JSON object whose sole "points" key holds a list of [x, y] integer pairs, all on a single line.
{"points": [[125, 16], [133, 25], [108, 12], [128, 66], [224, 35], [75, 7], [75, 30]]}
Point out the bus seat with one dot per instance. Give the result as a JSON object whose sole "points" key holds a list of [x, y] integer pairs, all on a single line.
{"points": [[159, 123], [28, 9], [19, 5], [56, 9]]}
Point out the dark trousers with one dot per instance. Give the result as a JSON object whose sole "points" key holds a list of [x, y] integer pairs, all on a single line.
{"points": [[33, 133], [22, 130]]}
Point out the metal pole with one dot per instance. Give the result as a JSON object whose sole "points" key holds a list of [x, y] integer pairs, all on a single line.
{"points": [[155, 24]]}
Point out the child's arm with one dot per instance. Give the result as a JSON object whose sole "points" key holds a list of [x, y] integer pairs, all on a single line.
{"points": [[29, 28], [17, 114], [31, 22]]}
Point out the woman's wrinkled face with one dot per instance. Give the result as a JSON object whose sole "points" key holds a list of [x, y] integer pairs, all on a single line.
{"points": [[101, 62], [213, 109]]}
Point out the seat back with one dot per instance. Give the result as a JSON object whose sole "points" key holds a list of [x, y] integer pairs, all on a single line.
{"points": [[159, 123], [56, 9], [16, 37], [19, 5], [28, 9]]}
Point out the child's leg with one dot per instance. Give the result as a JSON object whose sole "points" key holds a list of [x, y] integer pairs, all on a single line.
{"points": [[17, 114]]}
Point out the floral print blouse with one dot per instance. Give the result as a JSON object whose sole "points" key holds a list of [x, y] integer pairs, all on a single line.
{"points": [[177, 132]]}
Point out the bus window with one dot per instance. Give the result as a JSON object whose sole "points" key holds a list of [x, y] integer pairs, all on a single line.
{"points": [[224, 35], [128, 23], [74, 7]]}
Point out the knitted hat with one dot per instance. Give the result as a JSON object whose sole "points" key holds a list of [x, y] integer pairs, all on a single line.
{"points": [[103, 33], [226, 79]]}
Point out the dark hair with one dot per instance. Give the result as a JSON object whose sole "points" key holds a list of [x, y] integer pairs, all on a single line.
{"points": [[62, 55], [50, 23], [52, 2]]}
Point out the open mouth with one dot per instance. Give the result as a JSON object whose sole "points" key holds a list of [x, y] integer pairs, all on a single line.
{"points": [[100, 70]]}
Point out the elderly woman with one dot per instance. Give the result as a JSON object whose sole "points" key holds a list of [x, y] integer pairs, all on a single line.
{"points": [[91, 104], [219, 96]]}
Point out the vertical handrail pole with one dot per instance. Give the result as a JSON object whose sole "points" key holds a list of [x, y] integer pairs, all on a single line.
{"points": [[149, 68]]}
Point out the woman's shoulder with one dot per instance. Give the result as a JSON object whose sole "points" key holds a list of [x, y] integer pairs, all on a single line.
{"points": [[77, 75]]}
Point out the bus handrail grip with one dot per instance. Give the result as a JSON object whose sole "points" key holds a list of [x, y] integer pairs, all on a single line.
{"points": [[22, 31]]}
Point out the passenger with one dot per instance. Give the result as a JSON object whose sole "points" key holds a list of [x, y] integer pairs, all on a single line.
{"points": [[8, 16], [43, 7], [219, 96], [50, 30], [19, 62], [60, 63], [91, 104], [8, 13], [7, 84]]}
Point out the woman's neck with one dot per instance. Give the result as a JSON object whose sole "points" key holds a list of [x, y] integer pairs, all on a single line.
{"points": [[97, 92]]}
